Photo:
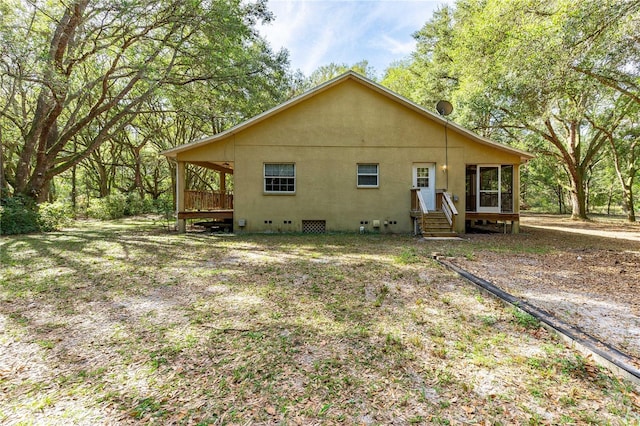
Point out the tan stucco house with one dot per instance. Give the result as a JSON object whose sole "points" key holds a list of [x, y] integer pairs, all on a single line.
{"points": [[350, 155]]}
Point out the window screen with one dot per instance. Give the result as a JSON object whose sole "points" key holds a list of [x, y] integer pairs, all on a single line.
{"points": [[279, 177], [367, 175]]}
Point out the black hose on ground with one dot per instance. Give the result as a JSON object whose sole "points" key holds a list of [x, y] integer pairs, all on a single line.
{"points": [[607, 355]]}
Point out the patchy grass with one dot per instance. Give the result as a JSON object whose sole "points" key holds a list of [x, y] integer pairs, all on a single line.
{"points": [[584, 273], [124, 323]]}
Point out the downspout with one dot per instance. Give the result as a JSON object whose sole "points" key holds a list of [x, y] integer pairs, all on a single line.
{"points": [[445, 108], [446, 155]]}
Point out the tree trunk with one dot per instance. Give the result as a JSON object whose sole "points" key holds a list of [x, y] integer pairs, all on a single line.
{"points": [[626, 183], [2, 179], [74, 185], [103, 180], [560, 193], [33, 180], [137, 171], [578, 201], [41, 187], [575, 163], [610, 198], [628, 200], [74, 191]]}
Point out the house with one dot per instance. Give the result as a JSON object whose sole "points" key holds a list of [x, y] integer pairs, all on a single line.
{"points": [[350, 155]]}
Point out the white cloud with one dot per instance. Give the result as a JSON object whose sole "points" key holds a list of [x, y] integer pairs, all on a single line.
{"points": [[319, 32], [396, 47]]}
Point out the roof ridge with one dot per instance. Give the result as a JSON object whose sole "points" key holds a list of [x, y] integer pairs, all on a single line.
{"points": [[350, 74]]}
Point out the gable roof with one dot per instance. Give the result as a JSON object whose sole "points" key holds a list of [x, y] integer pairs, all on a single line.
{"points": [[349, 75]]}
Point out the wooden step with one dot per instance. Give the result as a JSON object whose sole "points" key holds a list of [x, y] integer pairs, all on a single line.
{"points": [[440, 234], [436, 224], [436, 229]]}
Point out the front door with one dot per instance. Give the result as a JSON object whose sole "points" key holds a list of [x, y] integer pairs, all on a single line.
{"points": [[489, 189], [424, 177]]}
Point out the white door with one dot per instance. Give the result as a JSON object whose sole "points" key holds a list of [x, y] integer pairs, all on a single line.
{"points": [[424, 177], [488, 189]]}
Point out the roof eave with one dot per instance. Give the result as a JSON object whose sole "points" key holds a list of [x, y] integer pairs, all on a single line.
{"points": [[173, 152], [524, 155]]}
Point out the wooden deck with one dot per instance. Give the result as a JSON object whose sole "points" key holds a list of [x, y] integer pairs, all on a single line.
{"points": [[494, 217], [215, 205], [208, 200], [209, 214]]}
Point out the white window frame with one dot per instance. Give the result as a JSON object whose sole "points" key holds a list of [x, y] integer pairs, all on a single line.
{"points": [[480, 192], [265, 177], [376, 174]]}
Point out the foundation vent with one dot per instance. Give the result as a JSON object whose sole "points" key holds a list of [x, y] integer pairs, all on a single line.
{"points": [[314, 226]]}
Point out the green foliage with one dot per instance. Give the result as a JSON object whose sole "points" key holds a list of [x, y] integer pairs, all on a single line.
{"points": [[118, 205], [524, 319], [430, 76], [199, 67], [136, 205], [332, 70], [556, 77], [408, 256], [18, 215], [109, 207], [21, 215], [163, 206], [52, 216], [147, 407]]}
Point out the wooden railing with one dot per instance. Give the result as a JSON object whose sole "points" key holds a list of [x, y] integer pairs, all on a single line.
{"points": [[427, 221], [207, 200], [418, 207], [449, 209], [417, 201]]}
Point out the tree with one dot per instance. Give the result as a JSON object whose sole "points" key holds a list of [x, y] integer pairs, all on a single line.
{"points": [[83, 71], [512, 71], [624, 146], [431, 70], [332, 70], [609, 56]]}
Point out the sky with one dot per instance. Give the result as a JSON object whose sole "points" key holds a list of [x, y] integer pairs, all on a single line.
{"points": [[318, 32]]}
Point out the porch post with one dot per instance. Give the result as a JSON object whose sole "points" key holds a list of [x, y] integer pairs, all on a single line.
{"points": [[223, 190], [515, 224], [181, 224]]}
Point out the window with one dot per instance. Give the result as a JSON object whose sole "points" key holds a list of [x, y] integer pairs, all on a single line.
{"points": [[506, 190], [367, 175], [280, 178], [489, 188], [422, 177]]}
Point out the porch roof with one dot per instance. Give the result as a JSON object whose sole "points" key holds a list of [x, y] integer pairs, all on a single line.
{"points": [[218, 166]]}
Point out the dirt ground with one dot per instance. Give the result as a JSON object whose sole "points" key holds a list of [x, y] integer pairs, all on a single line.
{"points": [[124, 323], [585, 273]]}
